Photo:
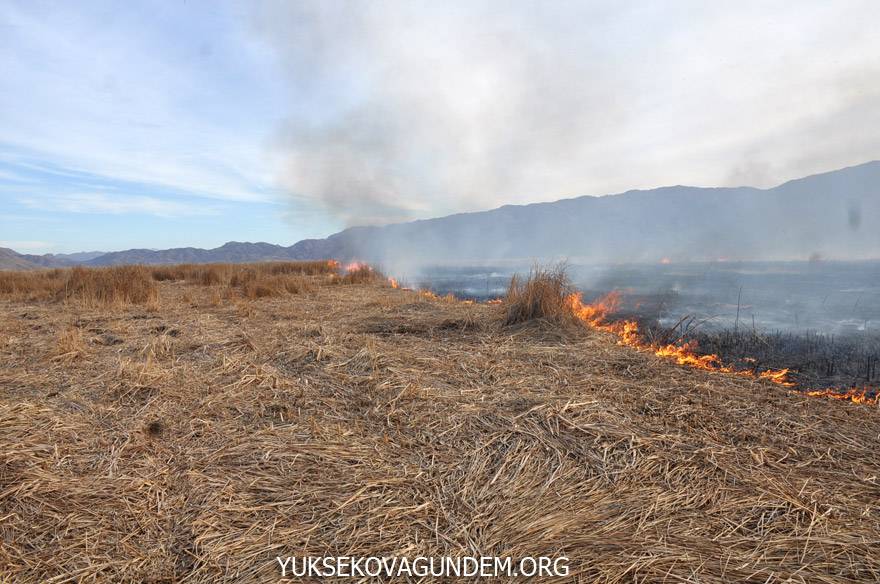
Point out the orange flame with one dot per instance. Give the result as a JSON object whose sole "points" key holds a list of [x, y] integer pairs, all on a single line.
{"points": [[627, 331], [596, 316], [393, 282], [355, 266], [855, 395]]}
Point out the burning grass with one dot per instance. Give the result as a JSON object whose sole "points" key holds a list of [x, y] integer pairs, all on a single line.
{"points": [[817, 361], [548, 295], [360, 273], [197, 442]]}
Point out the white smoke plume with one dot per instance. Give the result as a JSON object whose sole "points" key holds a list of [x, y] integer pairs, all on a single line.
{"points": [[415, 109]]}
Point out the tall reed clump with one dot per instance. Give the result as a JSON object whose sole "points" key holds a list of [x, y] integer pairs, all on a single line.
{"points": [[110, 286], [262, 286], [32, 285], [305, 268], [544, 294], [237, 274], [137, 284]]}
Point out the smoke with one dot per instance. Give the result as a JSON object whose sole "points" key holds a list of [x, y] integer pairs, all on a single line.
{"points": [[425, 108], [404, 110]]}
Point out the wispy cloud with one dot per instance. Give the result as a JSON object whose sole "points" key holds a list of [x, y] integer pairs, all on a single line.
{"points": [[11, 177], [114, 204], [183, 108]]}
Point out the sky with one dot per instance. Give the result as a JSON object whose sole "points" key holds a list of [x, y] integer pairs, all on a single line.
{"points": [[192, 123]]}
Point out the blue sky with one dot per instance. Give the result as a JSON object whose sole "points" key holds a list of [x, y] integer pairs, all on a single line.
{"points": [[142, 125], [164, 124]]}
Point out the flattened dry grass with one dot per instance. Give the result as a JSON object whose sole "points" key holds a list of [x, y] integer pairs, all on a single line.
{"points": [[196, 443], [70, 344]]}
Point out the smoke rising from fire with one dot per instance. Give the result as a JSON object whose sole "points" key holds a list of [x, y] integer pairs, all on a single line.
{"points": [[416, 109], [447, 107]]}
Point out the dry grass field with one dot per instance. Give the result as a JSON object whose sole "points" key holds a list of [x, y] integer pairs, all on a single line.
{"points": [[189, 424]]}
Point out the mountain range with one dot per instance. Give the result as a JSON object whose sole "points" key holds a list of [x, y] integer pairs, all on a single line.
{"points": [[834, 214]]}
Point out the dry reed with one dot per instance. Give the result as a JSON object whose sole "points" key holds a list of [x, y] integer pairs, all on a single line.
{"points": [[121, 285], [362, 420], [223, 273], [542, 295], [362, 274]]}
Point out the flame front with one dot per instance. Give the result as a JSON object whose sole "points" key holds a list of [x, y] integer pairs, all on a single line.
{"points": [[596, 316], [855, 395], [356, 266]]}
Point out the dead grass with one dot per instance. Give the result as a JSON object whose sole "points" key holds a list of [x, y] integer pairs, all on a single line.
{"points": [[200, 441], [89, 286], [224, 273], [119, 285], [362, 274], [265, 286], [541, 296], [123, 285], [32, 285], [70, 344]]}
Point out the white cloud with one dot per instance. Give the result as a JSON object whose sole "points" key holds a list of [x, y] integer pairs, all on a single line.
{"points": [[101, 203]]}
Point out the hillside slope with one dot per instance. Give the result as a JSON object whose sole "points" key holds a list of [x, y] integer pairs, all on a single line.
{"points": [[199, 439], [231, 252], [11, 260], [828, 215]]}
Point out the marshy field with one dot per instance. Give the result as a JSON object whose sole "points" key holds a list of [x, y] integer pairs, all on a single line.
{"points": [[191, 423]]}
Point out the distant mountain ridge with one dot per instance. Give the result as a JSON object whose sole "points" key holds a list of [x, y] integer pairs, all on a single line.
{"points": [[233, 252], [833, 214], [78, 257], [11, 260]]}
